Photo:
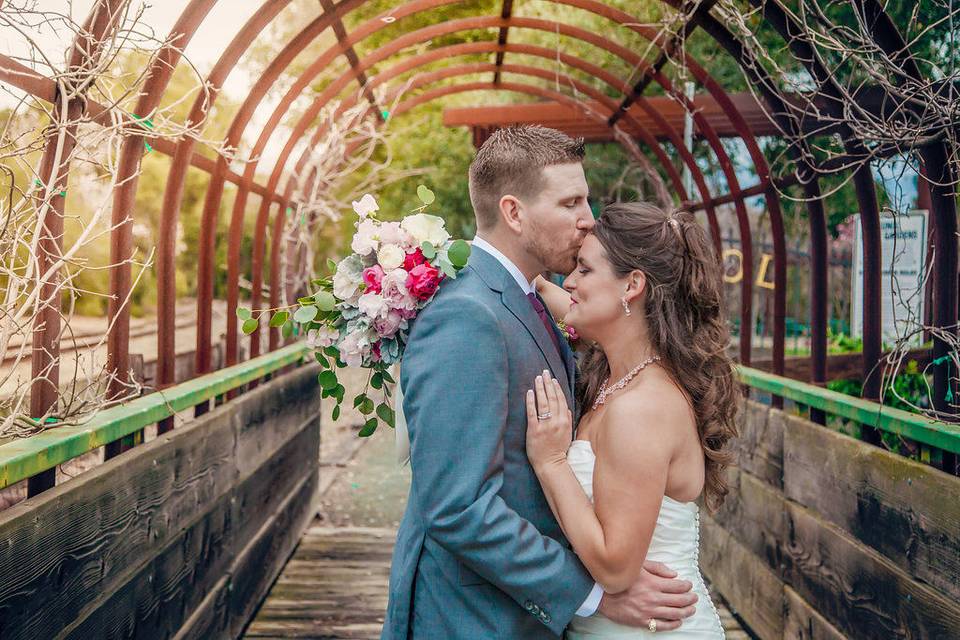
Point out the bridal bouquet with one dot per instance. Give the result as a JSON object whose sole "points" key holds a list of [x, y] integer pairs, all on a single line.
{"points": [[360, 315]]}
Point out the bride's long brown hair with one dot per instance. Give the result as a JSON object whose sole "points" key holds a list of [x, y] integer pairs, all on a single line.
{"points": [[686, 322]]}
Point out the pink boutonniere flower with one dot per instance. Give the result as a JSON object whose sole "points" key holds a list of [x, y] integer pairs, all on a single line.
{"points": [[568, 332]]}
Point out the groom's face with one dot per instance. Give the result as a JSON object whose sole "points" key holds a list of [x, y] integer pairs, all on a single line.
{"points": [[559, 217]]}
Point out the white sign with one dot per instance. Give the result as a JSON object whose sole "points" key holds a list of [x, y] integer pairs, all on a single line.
{"points": [[903, 240]]}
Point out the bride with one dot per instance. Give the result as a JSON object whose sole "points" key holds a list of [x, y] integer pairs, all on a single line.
{"points": [[659, 402]]}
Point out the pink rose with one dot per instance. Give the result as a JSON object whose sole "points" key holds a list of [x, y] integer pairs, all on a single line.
{"points": [[414, 259], [372, 277], [388, 326], [423, 281], [394, 290]]}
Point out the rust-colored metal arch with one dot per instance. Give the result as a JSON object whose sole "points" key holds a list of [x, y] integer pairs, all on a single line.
{"points": [[726, 165]]}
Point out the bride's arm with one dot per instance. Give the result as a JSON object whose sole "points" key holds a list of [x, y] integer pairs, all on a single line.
{"points": [[611, 536], [556, 298]]}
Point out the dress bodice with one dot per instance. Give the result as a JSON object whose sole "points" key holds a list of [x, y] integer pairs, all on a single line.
{"points": [[675, 542]]}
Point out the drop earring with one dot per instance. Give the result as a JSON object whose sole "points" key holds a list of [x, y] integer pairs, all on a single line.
{"points": [[626, 307]]}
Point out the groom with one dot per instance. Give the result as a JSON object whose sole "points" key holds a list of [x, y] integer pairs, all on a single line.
{"points": [[479, 554]]}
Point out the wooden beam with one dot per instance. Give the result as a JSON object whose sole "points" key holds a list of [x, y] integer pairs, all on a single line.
{"points": [[573, 120], [28, 456], [917, 427]]}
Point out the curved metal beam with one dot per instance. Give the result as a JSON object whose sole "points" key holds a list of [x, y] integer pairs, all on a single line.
{"points": [[54, 172], [173, 196], [128, 166]]}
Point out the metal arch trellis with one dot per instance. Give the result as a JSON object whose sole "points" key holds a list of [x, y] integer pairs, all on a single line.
{"points": [[936, 160]]}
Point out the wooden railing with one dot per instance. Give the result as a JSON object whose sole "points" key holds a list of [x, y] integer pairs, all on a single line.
{"points": [[941, 435], [23, 458]]}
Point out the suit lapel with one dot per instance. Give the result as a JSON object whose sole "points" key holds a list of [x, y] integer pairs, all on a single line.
{"points": [[518, 304], [499, 279]]}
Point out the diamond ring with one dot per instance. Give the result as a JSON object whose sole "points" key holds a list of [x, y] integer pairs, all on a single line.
{"points": [[544, 416], [652, 625]]}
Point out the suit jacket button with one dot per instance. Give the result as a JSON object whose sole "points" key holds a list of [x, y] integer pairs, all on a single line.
{"points": [[529, 605], [546, 618]]}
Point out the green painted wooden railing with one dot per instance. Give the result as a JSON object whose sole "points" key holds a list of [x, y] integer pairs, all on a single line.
{"points": [[909, 425], [25, 457]]}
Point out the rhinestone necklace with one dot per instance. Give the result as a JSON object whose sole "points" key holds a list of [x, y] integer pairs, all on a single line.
{"points": [[606, 391]]}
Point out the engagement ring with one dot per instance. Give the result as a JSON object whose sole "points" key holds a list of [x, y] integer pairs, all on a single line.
{"points": [[544, 416], [652, 626]]}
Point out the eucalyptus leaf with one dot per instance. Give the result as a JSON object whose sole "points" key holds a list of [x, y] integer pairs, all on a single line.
{"points": [[448, 269], [358, 400], [338, 392], [321, 359], [385, 413], [368, 428], [459, 253], [250, 325], [426, 196], [328, 380], [305, 314], [366, 407], [331, 265], [325, 301], [279, 318], [429, 251], [387, 377], [287, 329], [243, 313], [376, 381], [336, 412]]}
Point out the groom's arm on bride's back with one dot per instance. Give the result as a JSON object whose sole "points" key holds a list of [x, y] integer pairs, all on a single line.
{"points": [[455, 400]]}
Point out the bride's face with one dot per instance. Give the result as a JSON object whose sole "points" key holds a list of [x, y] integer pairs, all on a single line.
{"points": [[595, 291]]}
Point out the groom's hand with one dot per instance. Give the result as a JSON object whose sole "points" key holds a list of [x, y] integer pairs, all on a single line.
{"points": [[657, 594]]}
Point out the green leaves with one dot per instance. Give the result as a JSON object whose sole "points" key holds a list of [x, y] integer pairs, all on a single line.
{"points": [[331, 265], [305, 314], [368, 428], [459, 253], [243, 313], [429, 251], [279, 318], [385, 413], [250, 325], [325, 301], [328, 380], [426, 196]]}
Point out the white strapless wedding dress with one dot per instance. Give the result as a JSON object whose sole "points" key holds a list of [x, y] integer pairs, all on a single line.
{"points": [[676, 543]]}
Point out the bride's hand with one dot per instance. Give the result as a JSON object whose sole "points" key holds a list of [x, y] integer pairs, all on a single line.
{"points": [[549, 423]]}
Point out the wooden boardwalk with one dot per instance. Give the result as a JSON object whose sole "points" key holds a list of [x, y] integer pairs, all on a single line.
{"points": [[335, 584]]}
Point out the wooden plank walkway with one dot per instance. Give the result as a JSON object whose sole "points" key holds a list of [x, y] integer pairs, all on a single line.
{"points": [[335, 584]]}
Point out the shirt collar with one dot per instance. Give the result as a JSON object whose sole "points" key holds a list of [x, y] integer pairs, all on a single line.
{"points": [[508, 264]]}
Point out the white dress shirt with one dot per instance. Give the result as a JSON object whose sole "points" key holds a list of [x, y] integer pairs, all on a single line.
{"points": [[592, 603]]}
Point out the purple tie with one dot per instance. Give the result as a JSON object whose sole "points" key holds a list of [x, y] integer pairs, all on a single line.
{"points": [[545, 319]]}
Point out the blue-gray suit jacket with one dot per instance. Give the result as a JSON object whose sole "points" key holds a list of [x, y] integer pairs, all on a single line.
{"points": [[479, 554]]}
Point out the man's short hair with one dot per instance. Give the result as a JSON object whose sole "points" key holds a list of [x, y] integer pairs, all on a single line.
{"points": [[511, 162]]}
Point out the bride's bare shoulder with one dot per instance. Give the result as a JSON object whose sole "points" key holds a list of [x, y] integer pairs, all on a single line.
{"points": [[648, 412]]}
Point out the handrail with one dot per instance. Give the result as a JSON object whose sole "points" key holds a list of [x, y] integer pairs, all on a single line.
{"points": [[942, 435], [26, 457]]}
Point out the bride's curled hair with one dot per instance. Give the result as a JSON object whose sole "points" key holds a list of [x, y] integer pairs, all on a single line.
{"points": [[685, 318]]}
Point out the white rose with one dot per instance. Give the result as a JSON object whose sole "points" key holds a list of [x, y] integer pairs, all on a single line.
{"points": [[348, 278], [426, 228], [373, 306], [390, 257]]}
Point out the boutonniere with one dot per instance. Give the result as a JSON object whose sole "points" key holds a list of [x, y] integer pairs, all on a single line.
{"points": [[568, 332]]}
